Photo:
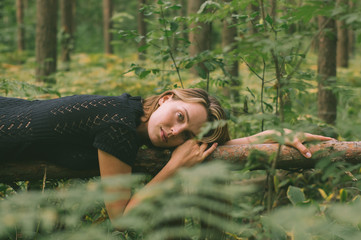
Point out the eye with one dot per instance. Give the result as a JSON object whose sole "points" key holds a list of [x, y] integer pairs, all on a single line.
{"points": [[180, 116]]}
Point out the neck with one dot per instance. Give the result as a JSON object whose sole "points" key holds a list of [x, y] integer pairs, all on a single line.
{"points": [[142, 132]]}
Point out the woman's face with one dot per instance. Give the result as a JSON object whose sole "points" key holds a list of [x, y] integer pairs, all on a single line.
{"points": [[175, 121]]}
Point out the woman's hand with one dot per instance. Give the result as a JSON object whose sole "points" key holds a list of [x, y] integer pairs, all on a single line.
{"points": [[296, 140], [292, 139], [190, 153]]}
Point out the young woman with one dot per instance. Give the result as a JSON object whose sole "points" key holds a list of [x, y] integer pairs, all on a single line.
{"points": [[84, 131]]}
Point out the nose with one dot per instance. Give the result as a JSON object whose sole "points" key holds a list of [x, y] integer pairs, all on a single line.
{"points": [[177, 129]]}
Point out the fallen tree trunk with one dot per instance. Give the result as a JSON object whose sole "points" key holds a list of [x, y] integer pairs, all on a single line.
{"points": [[151, 161]]}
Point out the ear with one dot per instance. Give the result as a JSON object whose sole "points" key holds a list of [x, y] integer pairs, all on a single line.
{"points": [[164, 99]]}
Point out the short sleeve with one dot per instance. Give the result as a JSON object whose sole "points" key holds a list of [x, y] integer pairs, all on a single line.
{"points": [[118, 140]]}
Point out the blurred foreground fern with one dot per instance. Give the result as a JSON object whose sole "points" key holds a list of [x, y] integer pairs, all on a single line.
{"points": [[196, 199], [204, 202]]}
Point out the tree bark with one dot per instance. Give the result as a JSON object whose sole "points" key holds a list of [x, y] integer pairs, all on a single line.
{"points": [[20, 23], [273, 10], [67, 31], [199, 35], [315, 42], [327, 101], [151, 161], [229, 44], [252, 9], [46, 29], [342, 39], [142, 29], [351, 33], [107, 25]]}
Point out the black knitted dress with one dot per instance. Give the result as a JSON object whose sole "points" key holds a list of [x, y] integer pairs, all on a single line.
{"points": [[68, 131]]}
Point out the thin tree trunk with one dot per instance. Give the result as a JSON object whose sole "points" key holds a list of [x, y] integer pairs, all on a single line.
{"points": [[342, 39], [351, 34], [151, 161], [67, 31], [273, 10], [1, 11], [20, 23], [107, 25], [199, 34], [229, 44], [46, 29], [315, 42], [142, 29], [252, 9], [327, 100]]}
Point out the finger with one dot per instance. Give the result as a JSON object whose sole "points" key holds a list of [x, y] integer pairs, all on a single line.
{"points": [[203, 147], [210, 150], [303, 150], [313, 137]]}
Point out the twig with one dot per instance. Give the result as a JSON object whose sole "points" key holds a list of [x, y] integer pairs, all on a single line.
{"points": [[262, 90], [44, 180], [169, 46], [270, 179], [42, 191], [307, 49]]}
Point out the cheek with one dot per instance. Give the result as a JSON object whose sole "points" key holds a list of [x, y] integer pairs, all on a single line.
{"points": [[176, 141]]}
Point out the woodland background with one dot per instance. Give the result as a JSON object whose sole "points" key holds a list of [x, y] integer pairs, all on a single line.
{"points": [[272, 64]]}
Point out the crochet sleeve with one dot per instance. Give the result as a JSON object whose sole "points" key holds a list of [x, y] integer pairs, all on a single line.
{"points": [[118, 140]]}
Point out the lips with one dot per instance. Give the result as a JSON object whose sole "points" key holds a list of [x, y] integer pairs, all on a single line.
{"points": [[163, 135]]}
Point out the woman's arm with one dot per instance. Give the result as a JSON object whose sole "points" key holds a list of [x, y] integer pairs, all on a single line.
{"points": [[291, 139], [185, 155], [111, 166]]}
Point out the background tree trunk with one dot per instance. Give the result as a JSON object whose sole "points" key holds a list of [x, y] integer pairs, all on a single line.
{"points": [[142, 29], [252, 9], [1, 11], [229, 44], [273, 12], [199, 34], [46, 29], [351, 33], [107, 25], [20, 23], [342, 39], [327, 101], [315, 42], [67, 21]]}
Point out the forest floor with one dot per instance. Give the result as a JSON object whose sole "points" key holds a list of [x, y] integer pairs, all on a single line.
{"points": [[109, 75]]}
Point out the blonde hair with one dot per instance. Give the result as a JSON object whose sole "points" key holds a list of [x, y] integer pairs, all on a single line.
{"points": [[194, 95]]}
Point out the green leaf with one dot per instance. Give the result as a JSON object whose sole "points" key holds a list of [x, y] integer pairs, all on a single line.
{"points": [[173, 26], [175, 7], [141, 72], [295, 195], [189, 64], [269, 20], [343, 195], [144, 73], [155, 70], [143, 48], [201, 72], [209, 66], [168, 33]]}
